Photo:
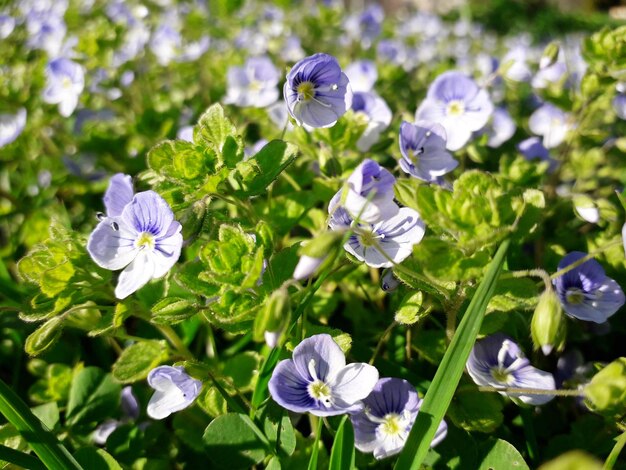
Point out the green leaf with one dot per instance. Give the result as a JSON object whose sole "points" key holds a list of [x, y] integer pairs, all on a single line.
{"points": [[252, 177], [343, 452], [44, 337], [243, 370], [96, 459], [55, 280], [214, 129], [20, 459], [500, 455], [178, 160], [51, 452], [476, 411], [172, 310], [138, 360], [48, 414], [277, 426], [93, 395], [447, 377], [231, 442]]}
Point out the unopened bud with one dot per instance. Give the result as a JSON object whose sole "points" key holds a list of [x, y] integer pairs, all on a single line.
{"points": [[411, 309], [306, 267], [550, 55], [586, 209], [548, 327], [389, 283], [273, 317], [606, 393]]}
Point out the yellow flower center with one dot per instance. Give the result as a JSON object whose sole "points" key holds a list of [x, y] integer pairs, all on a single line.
{"points": [[67, 83], [455, 108], [392, 424], [320, 391], [500, 375], [306, 91], [145, 240], [574, 296]]}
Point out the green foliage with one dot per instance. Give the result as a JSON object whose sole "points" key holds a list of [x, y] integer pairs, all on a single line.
{"points": [[473, 410], [501, 455], [92, 395], [606, 393], [343, 452], [137, 360]]}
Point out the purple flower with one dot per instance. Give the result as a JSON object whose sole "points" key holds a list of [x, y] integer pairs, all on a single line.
{"points": [[65, 83], [175, 391], [11, 126], [362, 75], [378, 115], [516, 66], [619, 105], [317, 379], [254, 84], [551, 123], [366, 26], [385, 243], [130, 412], [7, 24], [497, 361], [456, 102], [500, 128], [368, 195], [383, 426], [165, 43], [317, 92], [533, 149], [306, 267], [139, 235], [548, 75], [423, 148], [585, 292]]}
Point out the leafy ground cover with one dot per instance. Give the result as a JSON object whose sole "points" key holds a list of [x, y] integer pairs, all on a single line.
{"points": [[241, 234]]}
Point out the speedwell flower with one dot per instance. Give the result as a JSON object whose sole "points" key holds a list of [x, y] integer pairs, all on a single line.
{"points": [[551, 123], [11, 126], [317, 379], [378, 116], [175, 391], [368, 195], [385, 243], [143, 238], [586, 292], [388, 414], [255, 84], [423, 148], [497, 361], [65, 83], [456, 102], [317, 92]]}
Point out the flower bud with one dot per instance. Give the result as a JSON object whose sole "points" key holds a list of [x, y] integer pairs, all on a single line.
{"points": [[389, 283], [306, 267], [606, 393], [586, 209], [548, 326], [550, 55], [273, 317]]}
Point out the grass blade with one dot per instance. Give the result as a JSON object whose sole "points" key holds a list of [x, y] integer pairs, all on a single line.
{"points": [[20, 459], [342, 454], [51, 452], [449, 372]]}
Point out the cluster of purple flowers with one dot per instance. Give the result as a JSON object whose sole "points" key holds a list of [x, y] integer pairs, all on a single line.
{"points": [[317, 380]]}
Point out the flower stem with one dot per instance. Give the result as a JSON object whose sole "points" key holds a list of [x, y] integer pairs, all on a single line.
{"points": [[170, 335], [529, 432], [383, 339], [533, 391], [612, 458], [591, 255]]}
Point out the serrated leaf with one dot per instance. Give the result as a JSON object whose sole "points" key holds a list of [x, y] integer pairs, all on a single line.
{"points": [[213, 129], [137, 360]]}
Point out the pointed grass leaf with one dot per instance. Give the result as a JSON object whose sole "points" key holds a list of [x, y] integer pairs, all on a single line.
{"points": [[342, 454], [51, 452], [449, 372]]}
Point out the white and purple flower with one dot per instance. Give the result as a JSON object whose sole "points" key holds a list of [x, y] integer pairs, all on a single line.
{"points": [[497, 361], [175, 391], [317, 92], [378, 116], [362, 75], [11, 126], [368, 194], [423, 148], [456, 102], [586, 292], [65, 83], [500, 127], [383, 426], [317, 379], [254, 84], [551, 123], [138, 235]]}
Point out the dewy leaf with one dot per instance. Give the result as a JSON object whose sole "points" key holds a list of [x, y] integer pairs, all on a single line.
{"points": [[44, 337], [449, 372], [252, 177], [342, 454], [231, 442], [93, 395], [138, 360], [500, 454]]}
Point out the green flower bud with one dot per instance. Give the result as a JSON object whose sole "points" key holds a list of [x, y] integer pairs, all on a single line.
{"points": [[274, 316], [411, 309], [548, 326], [550, 55], [606, 393], [322, 245]]}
